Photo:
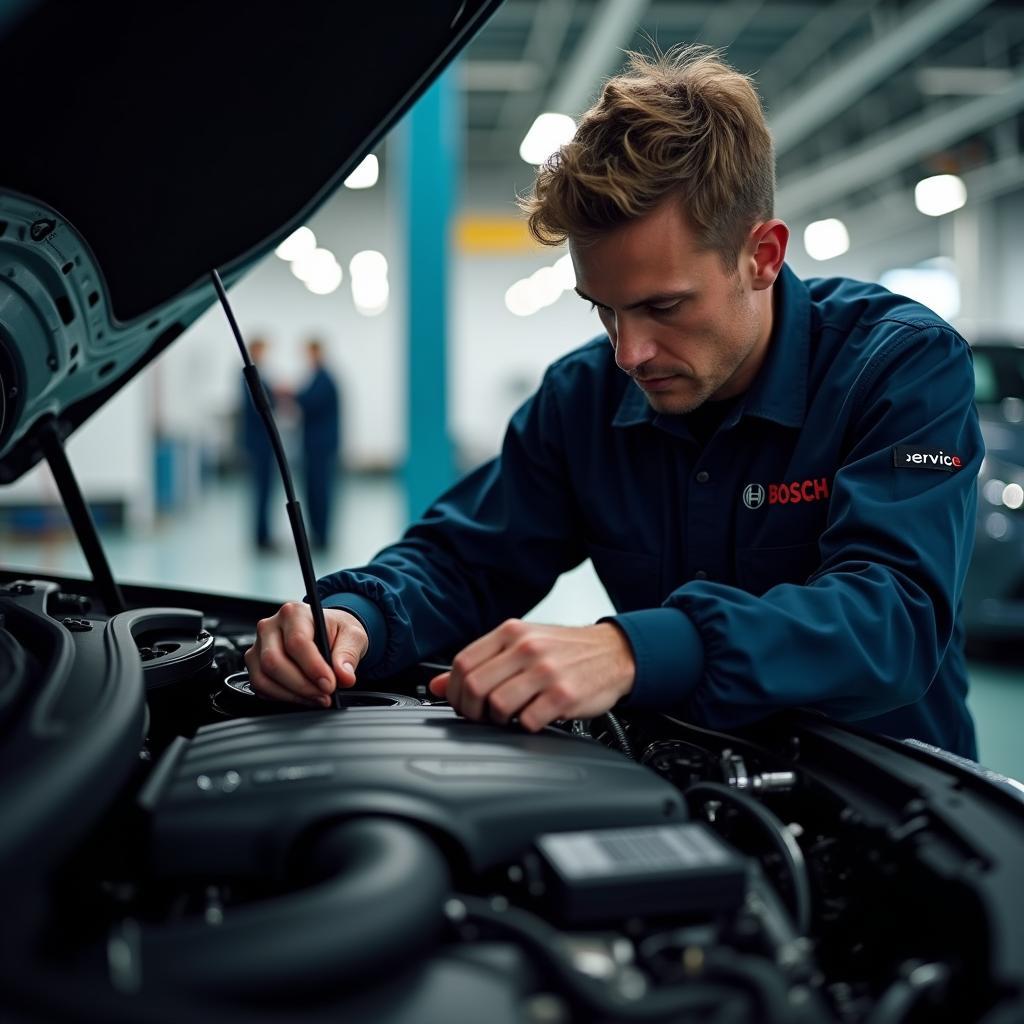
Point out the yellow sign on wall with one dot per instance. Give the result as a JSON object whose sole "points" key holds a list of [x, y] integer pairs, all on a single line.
{"points": [[493, 234]]}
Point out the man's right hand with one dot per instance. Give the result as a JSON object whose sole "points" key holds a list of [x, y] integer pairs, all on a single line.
{"points": [[284, 663]]}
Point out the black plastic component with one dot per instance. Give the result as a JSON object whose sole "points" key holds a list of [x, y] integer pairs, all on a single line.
{"points": [[172, 644], [492, 790], [613, 874], [75, 739], [237, 699], [69, 604], [77, 625], [385, 875]]}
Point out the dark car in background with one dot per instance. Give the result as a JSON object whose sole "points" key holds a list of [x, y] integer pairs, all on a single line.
{"points": [[994, 592]]}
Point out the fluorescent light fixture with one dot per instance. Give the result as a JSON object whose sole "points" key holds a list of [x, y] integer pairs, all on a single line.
{"points": [[542, 288], [546, 135], [933, 283], [519, 299], [370, 294], [313, 264], [365, 175], [942, 193], [325, 280], [996, 525], [993, 491], [1013, 496], [566, 272], [368, 263], [826, 239], [546, 286], [297, 244]]}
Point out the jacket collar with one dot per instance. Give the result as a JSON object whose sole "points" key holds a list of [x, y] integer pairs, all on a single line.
{"points": [[779, 391]]}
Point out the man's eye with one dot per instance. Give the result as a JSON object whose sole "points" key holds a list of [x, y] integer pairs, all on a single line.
{"points": [[665, 308]]}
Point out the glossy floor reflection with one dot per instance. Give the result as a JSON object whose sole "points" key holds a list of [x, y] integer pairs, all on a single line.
{"points": [[208, 548]]}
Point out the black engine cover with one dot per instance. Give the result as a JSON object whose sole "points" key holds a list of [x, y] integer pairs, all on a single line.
{"points": [[234, 799]]}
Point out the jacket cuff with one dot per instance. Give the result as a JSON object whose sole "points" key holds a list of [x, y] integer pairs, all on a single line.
{"points": [[372, 619], [669, 655]]}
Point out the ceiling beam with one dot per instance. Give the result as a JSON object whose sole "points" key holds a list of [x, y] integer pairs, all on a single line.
{"points": [[610, 29], [724, 24], [894, 213], [542, 48], [819, 102], [903, 144], [818, 34]]}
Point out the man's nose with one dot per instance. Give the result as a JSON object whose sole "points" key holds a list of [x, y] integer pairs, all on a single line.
{"points": [[633, 346]]}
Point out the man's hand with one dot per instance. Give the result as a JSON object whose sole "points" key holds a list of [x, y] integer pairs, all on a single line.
{"points": [[539, 673], [284, 663]]}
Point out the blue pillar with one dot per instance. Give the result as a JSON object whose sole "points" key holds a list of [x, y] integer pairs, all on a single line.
{"points": [[429, 173]]}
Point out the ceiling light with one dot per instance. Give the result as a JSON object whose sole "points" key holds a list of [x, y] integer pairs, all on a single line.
{"points": [[826, 239], [940, 194], [1013, 496], [370, 294], [325, 280], [365, 175], [546, 286], [368, 263], [931, 283], [313, 264], [546, 135], [519, 299], [298, 243], [566, 272]]}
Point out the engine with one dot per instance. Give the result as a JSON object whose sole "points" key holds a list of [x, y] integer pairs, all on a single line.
{"points": [[175, 845]]}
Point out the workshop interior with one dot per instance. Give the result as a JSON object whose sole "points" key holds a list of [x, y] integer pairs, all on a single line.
{"points": [[175, 847]]}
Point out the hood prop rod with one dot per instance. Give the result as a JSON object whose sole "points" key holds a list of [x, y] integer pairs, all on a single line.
{"points": [[52, 445], [259, 400]]}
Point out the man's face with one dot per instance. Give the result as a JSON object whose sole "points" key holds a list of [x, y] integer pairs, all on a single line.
{"points": [[684, 326]]}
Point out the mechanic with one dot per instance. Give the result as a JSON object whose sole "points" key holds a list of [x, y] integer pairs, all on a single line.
{"points": [[775, 479]]}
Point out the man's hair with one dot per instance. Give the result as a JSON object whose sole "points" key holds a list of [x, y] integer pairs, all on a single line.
{"points": [[681, 122]]}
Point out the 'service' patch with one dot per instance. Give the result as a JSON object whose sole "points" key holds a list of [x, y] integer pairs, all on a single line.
{"points": [[905, 456]]}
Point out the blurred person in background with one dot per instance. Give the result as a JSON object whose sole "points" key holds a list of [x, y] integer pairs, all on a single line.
{"points": [[320, 405], [259, 453], [775, 479]]}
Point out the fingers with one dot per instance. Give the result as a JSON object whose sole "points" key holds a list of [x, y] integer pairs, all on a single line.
{"points": [[266, 687], [285, 664], [485, 664], [294, 624], [348, 641], [270, 666], [508, 700]]}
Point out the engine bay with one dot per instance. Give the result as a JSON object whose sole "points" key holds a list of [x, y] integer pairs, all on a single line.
{"points": [[176, 845]]}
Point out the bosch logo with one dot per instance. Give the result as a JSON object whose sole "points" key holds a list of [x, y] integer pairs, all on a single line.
{"points": [[793, 492], [796, 491], [753, 495]]}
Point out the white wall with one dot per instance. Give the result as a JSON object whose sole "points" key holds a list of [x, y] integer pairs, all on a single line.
{"points": [[495, 358]]}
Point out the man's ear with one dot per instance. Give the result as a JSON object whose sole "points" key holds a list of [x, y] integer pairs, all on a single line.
{"points": [[766, 246]]}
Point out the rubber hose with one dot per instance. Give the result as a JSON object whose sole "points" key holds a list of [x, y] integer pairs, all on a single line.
{"points": [[619, 732], [381, 903], [780, 836]]}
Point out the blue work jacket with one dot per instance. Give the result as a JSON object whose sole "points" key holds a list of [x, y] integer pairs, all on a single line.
{"points": [[811, 553]]}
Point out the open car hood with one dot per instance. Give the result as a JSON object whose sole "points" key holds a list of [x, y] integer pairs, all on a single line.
{"points": [[145, 144]]}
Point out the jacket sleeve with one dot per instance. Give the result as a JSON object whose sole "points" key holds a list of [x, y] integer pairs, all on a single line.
{"points": [[489, 548], [866, 632]]}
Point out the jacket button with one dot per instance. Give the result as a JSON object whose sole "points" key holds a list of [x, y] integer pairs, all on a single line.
{"points": [[703, 476], [700, 574]]}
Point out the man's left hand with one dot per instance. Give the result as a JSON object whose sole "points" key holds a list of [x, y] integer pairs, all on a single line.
{"points": [[539, 673]]}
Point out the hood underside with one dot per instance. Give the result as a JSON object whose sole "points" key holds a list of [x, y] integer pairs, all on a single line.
{"points": [[148, 143]]}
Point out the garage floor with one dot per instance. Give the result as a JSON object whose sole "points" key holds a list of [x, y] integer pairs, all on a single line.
{"points": [[208, 549]]}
